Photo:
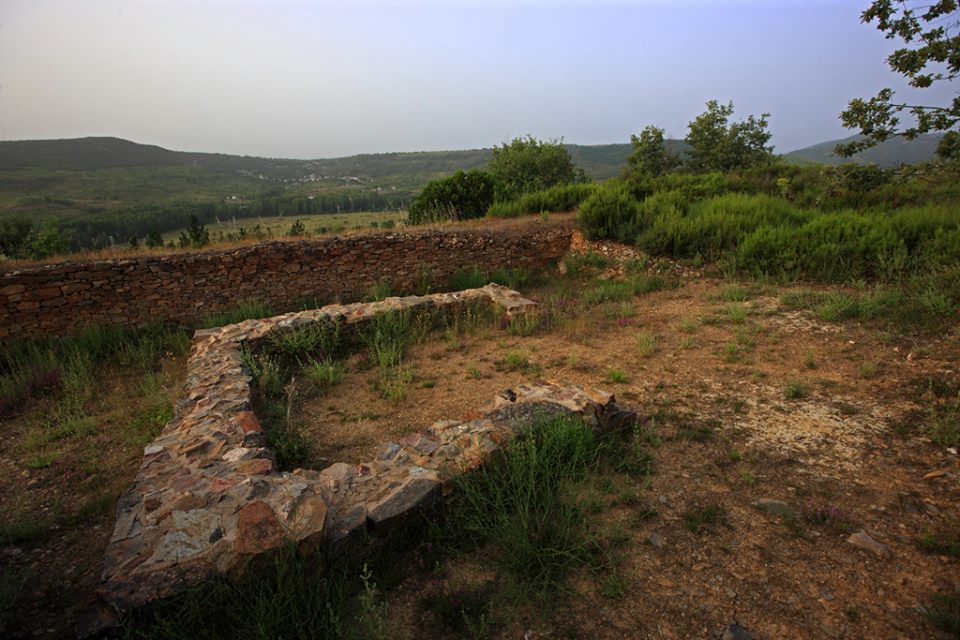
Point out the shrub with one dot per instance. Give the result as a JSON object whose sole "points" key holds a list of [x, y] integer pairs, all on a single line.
{"points": [[564, 197], [609, 212], [465, 194]]}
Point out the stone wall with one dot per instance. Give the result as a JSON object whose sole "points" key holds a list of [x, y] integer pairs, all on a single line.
{"points": [[208, 495], [185, 287]]}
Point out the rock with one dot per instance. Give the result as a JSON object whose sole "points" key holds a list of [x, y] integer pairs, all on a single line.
{"points": [[736, 632], [258, 529], [777, 507], [412, 494], [862, 540], [656, 541], [663, 500]]}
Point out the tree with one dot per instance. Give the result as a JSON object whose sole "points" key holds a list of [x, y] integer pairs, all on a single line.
{"points": [[650, 153], [14, 236], [716, 144], [931, 55], [465, 194], [528, 164], [196, 235], [153, 240]]}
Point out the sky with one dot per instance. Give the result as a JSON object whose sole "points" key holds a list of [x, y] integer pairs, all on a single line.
{"points": [[298, 79]]}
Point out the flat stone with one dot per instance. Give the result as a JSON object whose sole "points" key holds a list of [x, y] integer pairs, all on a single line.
{"points": [[861, 540], [258, 529], [656, 541], [777, 507], [736, 632], [413, 494]]}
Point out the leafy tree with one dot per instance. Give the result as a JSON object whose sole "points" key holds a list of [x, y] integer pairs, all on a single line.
{"points": [[716, 144], [528, 164], [196, 235], [47, 241], [153, 240], [465, 194], [650, 153], [14, 234], [931, 54]]}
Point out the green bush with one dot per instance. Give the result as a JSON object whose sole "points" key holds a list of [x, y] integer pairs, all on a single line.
{"points": [[465, 194], [609, 212], [564, 197]]}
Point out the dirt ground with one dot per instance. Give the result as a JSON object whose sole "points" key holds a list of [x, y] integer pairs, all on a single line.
{"points": [[844, 446], [750, 401]]}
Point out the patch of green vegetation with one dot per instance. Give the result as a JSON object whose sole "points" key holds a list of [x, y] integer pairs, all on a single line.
{"points": [[324, 374], [796, 390], [564, 197], [702, 517], [617, 376], [943, 539], [943, 612], [521, 503], [250, 310], [647, 344]]}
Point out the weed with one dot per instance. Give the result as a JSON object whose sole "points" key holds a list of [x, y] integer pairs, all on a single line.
{"points": [[942, 540], [829, 516], [704, 517], [516, 361], [943, 612], [521, 503], [868, 370], [324, 374], [387, 337], [617, 376], [733, 293], [646, 344], [525, 324], [808, 361], [245, 311], [380, 290], [474, 372], [731, 352], [472, 278], [576, 262], [736, 313], [796, 390], [11, 586], [747, 477], [688, 342], [393, 383], [318, 339], [689, 325], [465, 611]]}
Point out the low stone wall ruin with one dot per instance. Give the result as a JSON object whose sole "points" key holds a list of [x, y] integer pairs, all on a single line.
{"points": [[208, 497], [185, 287]]}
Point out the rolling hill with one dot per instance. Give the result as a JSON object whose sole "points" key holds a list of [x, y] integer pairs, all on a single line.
{"points": [[891, 153]]}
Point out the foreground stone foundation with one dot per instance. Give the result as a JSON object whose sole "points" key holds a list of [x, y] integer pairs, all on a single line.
{"points": [[208, 496]]}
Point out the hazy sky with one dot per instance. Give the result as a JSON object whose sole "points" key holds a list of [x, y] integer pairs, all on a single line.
{"points": [[317, 79]]}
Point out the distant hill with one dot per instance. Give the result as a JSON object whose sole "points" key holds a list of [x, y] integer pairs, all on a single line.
{"points": [[891, 153], [86, 154]]}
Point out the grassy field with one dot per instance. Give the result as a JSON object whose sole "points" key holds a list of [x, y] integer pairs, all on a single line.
{"points": [[777, 420], [316, 224]]}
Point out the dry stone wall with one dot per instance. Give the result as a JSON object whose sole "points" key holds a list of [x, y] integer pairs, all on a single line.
{"points": [[188, 286], [208, 496]]}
